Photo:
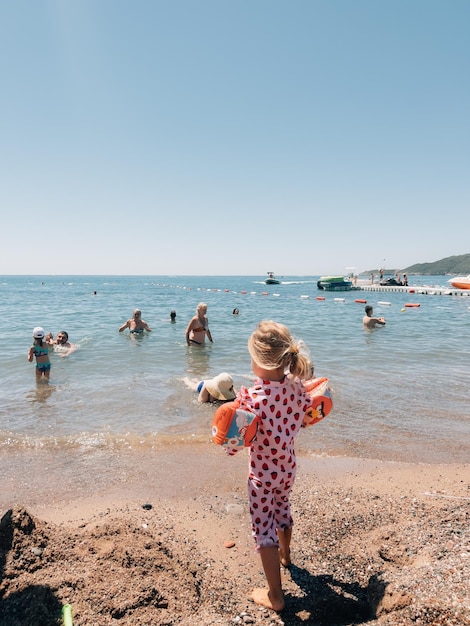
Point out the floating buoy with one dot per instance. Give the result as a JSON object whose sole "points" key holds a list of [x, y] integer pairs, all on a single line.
{"points": [[384, 303], [320, 297], [339, 299], [403, 310], [305, 296], [361, 301], [411, 304], [242, 291], [411, 291], [264, 293]]}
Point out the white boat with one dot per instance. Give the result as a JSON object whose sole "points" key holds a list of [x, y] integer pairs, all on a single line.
{"points": [[460, 282], [271, 279]]}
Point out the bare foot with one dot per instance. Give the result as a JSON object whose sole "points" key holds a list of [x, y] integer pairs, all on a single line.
{"points": [[262, 597]]}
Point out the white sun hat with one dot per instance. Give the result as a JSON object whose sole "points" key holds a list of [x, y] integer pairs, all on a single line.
{"points": [[221, 387]]}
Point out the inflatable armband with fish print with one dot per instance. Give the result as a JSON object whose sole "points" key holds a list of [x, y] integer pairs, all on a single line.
{"points": [[322, 401], [234, 427]]}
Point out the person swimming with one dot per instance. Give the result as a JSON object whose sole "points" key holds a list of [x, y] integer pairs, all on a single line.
{"points": [[61, 343], [217, 389], [136, 324]]}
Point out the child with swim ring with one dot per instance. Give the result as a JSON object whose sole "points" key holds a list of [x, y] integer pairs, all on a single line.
{"points": [[280, 401]]}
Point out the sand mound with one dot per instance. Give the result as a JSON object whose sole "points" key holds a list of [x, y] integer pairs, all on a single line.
{"points": [[362, 554]]}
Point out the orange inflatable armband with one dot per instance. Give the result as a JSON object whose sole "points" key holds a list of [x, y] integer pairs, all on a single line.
{"points": [[322, 402], [233, 426]]}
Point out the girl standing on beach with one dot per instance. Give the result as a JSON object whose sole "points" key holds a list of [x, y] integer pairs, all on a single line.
{"points": [[40, 350], [280, 401]]}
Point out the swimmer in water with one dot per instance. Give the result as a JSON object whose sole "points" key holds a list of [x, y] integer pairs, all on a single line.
{"points": [[61, 343], [136, 324]]}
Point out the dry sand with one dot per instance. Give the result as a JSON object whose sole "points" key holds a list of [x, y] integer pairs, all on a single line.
{"points": [[376, 543]]}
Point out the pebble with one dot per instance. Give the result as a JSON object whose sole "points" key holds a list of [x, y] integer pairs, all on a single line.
{"points": [[234, 508], [229, 543]]}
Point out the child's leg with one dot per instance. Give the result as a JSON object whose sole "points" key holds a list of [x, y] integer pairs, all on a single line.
{"points": [[272, 598], [285, 537]]}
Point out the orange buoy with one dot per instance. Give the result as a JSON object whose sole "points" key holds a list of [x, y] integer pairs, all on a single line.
{"points": [[242, 291], [411, 291], [412, 304], [320, 297], [362, 301], [264, 293]]}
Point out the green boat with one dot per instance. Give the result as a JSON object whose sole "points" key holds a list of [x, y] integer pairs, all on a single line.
{"points": [[334, 283]]}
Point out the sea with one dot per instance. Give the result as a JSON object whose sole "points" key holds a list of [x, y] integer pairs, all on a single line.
{"points": [[401, 392]]}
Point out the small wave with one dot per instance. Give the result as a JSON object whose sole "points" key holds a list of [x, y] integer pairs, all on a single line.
{"points": [[299, 282], [10, 443]]}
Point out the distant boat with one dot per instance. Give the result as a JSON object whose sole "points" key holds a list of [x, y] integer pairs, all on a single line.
{"points": [[334, 283], [460, 282], [271, 279]]}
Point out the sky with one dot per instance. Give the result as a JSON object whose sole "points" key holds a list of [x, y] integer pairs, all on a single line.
{"points": [[233, 137]]}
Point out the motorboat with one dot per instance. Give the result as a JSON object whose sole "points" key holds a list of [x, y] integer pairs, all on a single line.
{"points": [[460, 282], [334, 283], [271, 279], [389, 282]]}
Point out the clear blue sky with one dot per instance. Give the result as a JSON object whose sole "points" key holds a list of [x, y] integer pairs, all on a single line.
{"points": [[233, 136]]}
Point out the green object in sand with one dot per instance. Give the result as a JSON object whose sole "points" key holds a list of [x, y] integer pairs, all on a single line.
{"points": [[67, 614]]}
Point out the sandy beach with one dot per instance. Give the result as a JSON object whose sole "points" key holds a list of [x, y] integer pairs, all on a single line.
{"points": [[376, 543]]}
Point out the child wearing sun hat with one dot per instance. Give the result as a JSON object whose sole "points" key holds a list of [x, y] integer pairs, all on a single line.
{"points": [[40, 350], [217, 389]]}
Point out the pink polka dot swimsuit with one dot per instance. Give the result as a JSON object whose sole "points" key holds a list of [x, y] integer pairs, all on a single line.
{"points": [[280, 407]]}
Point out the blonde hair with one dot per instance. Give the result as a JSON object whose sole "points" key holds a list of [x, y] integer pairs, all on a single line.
{"points": [[272, 346], [200, 306]]}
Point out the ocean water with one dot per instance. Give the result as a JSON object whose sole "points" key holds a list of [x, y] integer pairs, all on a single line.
{"points": [[401, 392]]}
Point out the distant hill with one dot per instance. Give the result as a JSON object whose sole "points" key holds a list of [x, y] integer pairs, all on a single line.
{"points": [[450, 265]]}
